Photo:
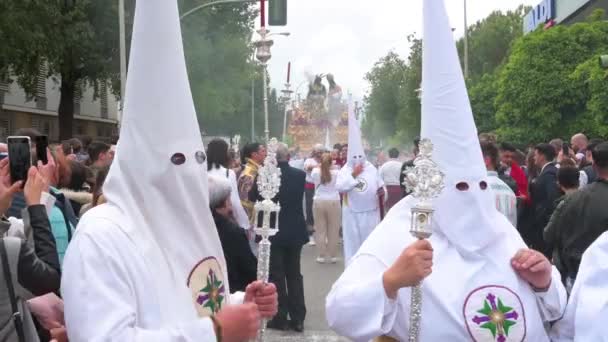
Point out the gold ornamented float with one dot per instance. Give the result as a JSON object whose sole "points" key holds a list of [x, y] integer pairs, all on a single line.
{"points": [[322, 118]]}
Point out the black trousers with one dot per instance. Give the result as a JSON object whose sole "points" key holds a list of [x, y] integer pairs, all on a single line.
{"points": [[285, 274], [309, 194]]}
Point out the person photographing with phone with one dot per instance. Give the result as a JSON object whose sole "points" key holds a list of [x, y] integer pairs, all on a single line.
{"points": [[37, 265]]}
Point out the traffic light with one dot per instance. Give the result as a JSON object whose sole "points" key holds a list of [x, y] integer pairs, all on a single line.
{"points": [[604, 61], [277, 12]]}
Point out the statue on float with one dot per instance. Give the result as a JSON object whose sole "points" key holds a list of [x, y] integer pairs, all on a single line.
{"points": [[322, 117]]}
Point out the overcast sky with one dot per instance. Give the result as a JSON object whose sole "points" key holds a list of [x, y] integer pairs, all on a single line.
{"points": [[346, 37]]}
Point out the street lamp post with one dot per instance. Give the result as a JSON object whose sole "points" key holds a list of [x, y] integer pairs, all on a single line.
{"points": [[252, 109], [263, 55]]}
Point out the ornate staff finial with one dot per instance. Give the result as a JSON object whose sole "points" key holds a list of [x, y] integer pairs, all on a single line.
{"points": [[426, 182], [269, 182]]}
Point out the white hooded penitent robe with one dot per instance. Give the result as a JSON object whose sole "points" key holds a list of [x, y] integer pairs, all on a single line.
{"points": [[461, 284], [148, 265], [587, 311], [360, 208], [114, 293], [473, 293]]}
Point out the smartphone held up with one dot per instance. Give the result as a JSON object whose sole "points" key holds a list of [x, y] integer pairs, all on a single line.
{"points": [[20, 158]]}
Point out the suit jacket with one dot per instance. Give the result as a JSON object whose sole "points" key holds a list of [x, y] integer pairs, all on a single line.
{"points": [[292, 224], [544, 191], [241, 263]]}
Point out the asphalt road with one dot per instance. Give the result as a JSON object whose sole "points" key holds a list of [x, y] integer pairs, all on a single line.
{"points": [[318, 279]]}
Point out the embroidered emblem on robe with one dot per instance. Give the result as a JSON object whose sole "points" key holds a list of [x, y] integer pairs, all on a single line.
{"points": [[206, 281], [361, 185], [494, 314]]}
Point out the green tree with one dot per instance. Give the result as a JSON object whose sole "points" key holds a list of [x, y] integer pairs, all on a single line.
{"points": [[592, 82], [408, 117], [483, 97], [541, 90], [76, 39], [386, 79], [392, 105], [490, 40], [220, 67]]}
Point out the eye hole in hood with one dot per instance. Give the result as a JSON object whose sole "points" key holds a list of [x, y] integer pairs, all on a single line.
{"points": [[178, 159], [462, 186]]}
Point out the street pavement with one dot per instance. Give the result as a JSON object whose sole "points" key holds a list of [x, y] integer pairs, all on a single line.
{"points": [[318, 279]]}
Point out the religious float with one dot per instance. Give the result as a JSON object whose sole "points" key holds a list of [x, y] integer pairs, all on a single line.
{"points": [[322, 118]]}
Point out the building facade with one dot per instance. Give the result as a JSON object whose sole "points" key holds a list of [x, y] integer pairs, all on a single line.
{"points": [[96, 117], [554, 12]]}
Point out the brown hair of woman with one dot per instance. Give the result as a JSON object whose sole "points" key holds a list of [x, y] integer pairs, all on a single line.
{"points": [[326, 165]]}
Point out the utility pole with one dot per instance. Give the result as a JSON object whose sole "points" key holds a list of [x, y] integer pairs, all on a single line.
{"points": [[253, 110], [123, 57], [466, 43]]}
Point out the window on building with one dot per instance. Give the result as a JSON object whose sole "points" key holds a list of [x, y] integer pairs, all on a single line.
{"points": [[5, 128], [3, 88], [41, 86], [103, 99], [46, 126]]}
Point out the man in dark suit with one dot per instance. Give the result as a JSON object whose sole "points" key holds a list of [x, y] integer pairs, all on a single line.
{"points": [[544, 191], [287, 246]]}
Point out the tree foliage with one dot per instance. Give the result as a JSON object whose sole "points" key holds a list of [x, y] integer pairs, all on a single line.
{"points": [[392, 105], [77, 39], [527, 89], [219, 53], [396, 113], [550, 87]]}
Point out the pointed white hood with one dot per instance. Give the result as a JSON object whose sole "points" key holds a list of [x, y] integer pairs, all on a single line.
{"points": [[158, 180], [356, 153], [467, 218]]}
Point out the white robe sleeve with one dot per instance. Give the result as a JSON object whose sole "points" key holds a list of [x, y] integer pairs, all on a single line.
{"points": [[563, 330], [552, 303], [345, 181], [357, 306], [237, 298], [237, 208], [587, 310], [99, 304]]}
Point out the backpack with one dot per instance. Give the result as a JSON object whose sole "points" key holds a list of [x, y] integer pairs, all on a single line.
{"points": [[16, 323]]}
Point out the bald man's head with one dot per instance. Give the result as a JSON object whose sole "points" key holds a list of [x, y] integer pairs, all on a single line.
{"points": [[579, 142]]}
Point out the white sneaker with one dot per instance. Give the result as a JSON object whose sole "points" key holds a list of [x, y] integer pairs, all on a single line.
{"points": [[321, 260], [312, 242], [334, 260]]}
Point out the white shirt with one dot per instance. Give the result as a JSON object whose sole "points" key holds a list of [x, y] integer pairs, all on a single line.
{"points": [[506, 201], [391, 171], [297, 163], [357, 306], [328, 191], [310, 163], [237, 208]]}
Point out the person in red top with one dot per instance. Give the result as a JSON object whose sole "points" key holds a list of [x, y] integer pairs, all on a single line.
{"points": [[507, 153]]}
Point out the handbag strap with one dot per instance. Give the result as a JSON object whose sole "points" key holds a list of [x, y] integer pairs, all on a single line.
{"points": [[8, 278]]}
